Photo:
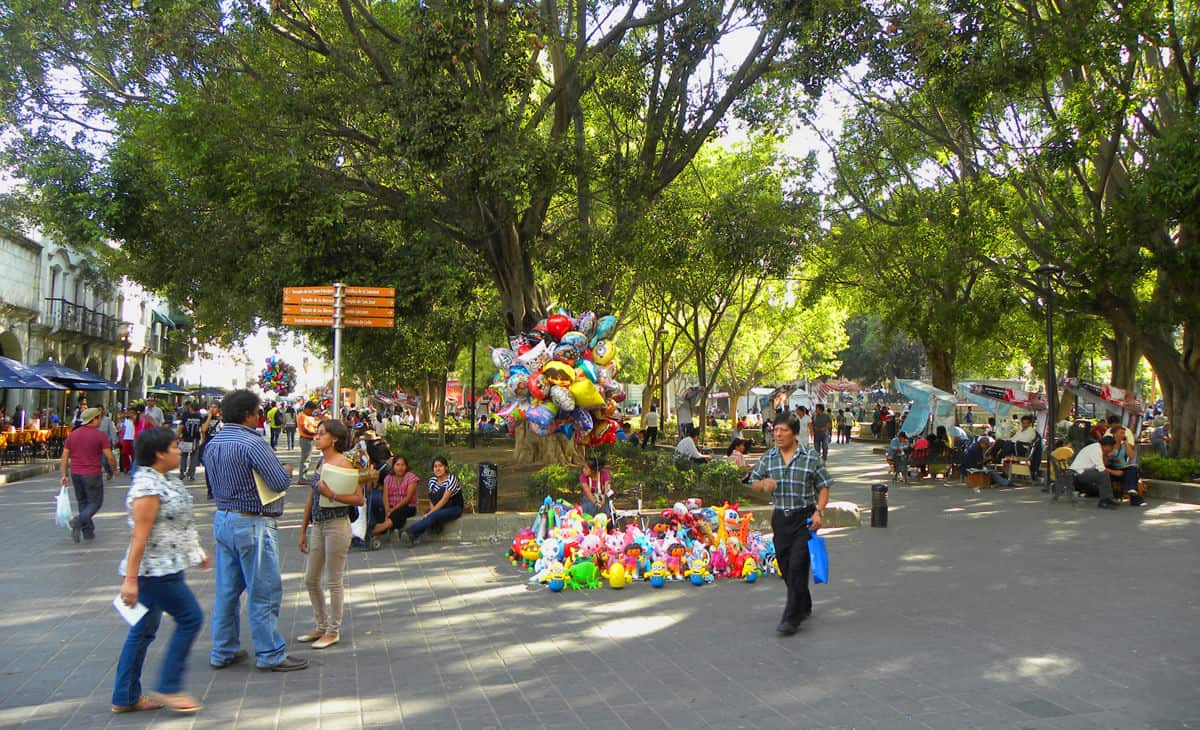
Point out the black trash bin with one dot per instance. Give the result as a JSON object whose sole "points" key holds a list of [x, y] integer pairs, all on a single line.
{"points": [[879, 505], [489, 487]]}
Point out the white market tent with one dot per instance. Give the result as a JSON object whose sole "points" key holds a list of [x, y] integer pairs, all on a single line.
{"points": [[928, 403]]}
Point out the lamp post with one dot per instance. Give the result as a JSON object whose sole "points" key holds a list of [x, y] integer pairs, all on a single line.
{"points": [[123, 332], [662, 378], [471, 408], [1046, 274]]}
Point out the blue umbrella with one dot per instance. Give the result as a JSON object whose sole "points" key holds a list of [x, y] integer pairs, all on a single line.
{"points": [[72, 378], [18, 375], [168, 388], [208, 393]]}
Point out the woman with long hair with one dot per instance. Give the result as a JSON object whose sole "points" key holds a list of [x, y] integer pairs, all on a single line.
{"points": [[445, 503], [330, 534]]}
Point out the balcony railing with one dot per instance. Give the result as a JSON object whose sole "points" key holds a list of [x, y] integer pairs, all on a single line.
{"points": [[70, 317], [163, 345]]}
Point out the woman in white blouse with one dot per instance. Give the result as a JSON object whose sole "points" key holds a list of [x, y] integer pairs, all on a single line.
{"points": [[163, 545]]}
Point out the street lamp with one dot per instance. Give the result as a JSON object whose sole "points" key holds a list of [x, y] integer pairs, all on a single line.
{"points": [[471, 408], [123, 332], [662, 377], [1046, 274]]}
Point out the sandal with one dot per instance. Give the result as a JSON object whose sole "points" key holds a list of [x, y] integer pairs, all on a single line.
{"points": [[179, 702], [310, 636], [143, 703]]}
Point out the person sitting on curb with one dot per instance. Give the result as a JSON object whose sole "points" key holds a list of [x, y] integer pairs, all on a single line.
{"points": [[975, 459], [1093, 473], [1121, 459], [897, 455], [686, 450], [445, 500]]}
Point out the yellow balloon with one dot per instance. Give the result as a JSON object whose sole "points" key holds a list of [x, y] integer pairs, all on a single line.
{"points": [[585, 394], [604, 352]]}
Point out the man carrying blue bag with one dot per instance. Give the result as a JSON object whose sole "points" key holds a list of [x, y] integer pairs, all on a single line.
{"points": [[799, 484]]}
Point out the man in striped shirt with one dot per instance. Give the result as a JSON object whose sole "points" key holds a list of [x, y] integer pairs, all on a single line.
{"points": [[799, 484], [244, 531]]}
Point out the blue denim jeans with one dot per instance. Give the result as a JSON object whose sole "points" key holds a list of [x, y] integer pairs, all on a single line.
{"points": [[246, 559], [435, 519], [169, 593]]}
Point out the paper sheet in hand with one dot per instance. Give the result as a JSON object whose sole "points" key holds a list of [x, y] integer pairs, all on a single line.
{"points": [[265, 494], [131, 615], [341, 480]]}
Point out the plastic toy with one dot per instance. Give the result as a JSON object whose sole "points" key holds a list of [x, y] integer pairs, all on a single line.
{"points": [[583, 573], [697, 572], [750, 571], [631, 560], [658, 574], [557, 579], [617, 577]]}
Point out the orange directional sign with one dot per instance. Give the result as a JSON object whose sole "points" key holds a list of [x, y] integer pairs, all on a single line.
{"points": [[305, 320], [291, 292], [387, 302], [318, 311], [370, 291], [369, 322], [309, 300], [387, 312]]}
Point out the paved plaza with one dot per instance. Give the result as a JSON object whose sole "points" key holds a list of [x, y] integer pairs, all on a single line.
{"points": [[993, 609]]}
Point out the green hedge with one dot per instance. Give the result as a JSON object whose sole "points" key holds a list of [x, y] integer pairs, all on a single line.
{"points": [[662, 481], [1171, 470]]}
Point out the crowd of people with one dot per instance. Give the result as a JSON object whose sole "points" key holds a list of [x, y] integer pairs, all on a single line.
{"points": [[1100, 459], [246, 480]]}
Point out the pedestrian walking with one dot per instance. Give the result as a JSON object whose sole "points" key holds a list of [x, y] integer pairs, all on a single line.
{"points": [[799, 486], [306, 427], [651, 422], [189, 443], [128, 433], [822, 429], [289, 426], [80, 467], [246, 544], [331, 535], [163, 545], [275, 424], [210, 428], [110, 432]]}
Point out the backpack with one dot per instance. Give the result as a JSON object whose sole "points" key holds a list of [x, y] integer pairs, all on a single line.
{"points": [[277, 422]]}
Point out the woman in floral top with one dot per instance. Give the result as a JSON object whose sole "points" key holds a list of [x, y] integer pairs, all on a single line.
{"points": [[330, 536], [163, 545]]}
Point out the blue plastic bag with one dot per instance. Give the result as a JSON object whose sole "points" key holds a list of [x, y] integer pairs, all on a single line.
{"points": [[819, 557]]}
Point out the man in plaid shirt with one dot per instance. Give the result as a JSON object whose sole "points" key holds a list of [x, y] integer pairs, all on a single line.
{"points": [[799, 483]]}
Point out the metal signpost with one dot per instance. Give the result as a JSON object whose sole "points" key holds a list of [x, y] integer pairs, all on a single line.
{"points": [[339, 306]]}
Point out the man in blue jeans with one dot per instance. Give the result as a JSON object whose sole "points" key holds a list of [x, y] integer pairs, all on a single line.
{"points": [[244, 529]]}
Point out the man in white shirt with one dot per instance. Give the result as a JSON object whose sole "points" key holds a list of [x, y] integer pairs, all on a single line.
{"points": [[153, 411], [1091, 470], [683, 412], [686, 448], [650, 423], [805, 435]]}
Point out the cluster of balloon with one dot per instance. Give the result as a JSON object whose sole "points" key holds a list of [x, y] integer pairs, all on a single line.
{"points": [[560, 377], [277, 376]]}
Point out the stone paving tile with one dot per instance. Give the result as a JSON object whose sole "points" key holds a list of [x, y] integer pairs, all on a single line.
{"points": [[970, 610]]}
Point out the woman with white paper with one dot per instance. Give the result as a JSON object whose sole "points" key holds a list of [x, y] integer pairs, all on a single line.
{"points": [[163, 545], [334, 492]]}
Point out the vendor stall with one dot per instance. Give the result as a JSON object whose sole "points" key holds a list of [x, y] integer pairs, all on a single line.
{"points": [[929, 405], [1109, 399]]}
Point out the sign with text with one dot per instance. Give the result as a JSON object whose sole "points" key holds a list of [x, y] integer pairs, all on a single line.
{"points": [[318, 311], [291, 292], [371, 291], [369, 322], [308, 321]]}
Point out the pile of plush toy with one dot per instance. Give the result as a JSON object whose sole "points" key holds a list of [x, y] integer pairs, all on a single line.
{"points": [[559, 377], [564, 548]]}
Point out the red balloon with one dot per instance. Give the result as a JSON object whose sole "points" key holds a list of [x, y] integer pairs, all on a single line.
{"points": [[524, 349], [559, 325]]}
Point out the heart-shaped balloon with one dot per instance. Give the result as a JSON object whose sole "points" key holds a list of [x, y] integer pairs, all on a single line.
{"points": [[558, 325]]}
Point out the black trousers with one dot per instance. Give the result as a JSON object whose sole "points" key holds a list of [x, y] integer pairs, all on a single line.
{"points": [[651, 436], [791, 550]]}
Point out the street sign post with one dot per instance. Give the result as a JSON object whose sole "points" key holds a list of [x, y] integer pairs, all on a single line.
{"points": [[339, 306]]}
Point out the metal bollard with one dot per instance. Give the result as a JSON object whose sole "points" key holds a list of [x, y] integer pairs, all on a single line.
{"points": [[879, 505]]}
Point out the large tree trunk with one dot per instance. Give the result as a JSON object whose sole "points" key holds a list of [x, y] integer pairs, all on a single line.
{"points": [[1179, 375], [941, 363], [508, 258], [1125, 354], [529, 448]]}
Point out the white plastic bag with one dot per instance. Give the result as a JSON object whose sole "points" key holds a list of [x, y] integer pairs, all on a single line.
{"points": [[62, 508], [358, 528]]}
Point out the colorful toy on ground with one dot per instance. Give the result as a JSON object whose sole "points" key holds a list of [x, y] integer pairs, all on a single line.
{"points": [[566, 549]]}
